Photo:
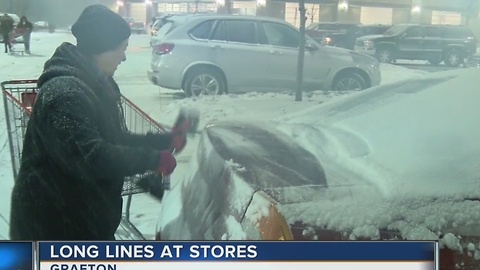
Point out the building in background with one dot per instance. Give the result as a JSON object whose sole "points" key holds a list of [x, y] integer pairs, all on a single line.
{"points": [[382, 11], [363, 11], [145, 11], [64, 12]]}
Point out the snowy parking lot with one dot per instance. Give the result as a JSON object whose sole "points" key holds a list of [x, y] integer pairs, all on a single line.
{"points": [[162, 105]]}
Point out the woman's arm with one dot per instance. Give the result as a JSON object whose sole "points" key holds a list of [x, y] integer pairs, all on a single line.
{"points": [[67, 127]]}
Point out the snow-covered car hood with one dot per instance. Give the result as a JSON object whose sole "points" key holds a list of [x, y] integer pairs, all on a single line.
{"points": [[334, 51], [403, 156], [346, 55]]}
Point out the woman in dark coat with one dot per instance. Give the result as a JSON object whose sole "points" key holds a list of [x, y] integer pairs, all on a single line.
{"points": [[24, 27], [77, 151], [6, 27]]}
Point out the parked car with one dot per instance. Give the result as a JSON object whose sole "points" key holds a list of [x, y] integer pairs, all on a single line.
{"points": [[44, 26], [346, 38], [434, 43], [136, 26], [216, 54], [318, 30], [395, 162]]}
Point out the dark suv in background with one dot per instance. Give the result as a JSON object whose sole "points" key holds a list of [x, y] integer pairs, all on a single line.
{"points": [[136, 26], [434, 43], [318, 30], [346, 38]]}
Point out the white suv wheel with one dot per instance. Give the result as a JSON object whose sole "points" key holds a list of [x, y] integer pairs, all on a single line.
{"points": [[204, 82]]}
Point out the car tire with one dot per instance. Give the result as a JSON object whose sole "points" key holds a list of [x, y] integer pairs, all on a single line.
{"points": [[349, 82], [385, 55], [453, 58], [204, 81]]}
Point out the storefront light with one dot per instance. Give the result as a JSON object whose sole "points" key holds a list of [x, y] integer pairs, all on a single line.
{"points": [[120, 3], [343, 6], [220, 2], [262, 3], [148, 2], [416, 9]]}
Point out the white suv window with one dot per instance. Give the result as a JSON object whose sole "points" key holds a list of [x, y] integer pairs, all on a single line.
{"points": [[164, 29], [281, 35], [202, 31], [219, 32], [241, 31]]}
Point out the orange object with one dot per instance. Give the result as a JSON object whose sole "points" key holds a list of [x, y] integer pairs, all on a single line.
{"points": [[28, 99]]}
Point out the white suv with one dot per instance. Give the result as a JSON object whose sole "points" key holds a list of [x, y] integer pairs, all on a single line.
{"points": [[215, 54]]}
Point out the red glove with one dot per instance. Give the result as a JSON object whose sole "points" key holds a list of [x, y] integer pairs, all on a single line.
{"points": [[179, 136], [167, 163]]}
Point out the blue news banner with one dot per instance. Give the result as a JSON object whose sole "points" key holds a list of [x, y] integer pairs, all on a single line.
{"points": [[277, 255]]}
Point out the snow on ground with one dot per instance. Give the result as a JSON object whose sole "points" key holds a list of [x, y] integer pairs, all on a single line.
{"points": [[158, 103]]}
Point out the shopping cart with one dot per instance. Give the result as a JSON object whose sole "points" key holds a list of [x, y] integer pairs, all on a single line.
{"points": [[19, 97], [16, 41]]}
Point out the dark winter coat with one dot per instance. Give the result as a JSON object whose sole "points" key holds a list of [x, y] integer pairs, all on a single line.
{"points": [[76, 155], [6, 25], [25, 27]]}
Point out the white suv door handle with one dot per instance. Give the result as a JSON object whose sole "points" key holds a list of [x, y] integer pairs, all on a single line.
{"points": [[216, 46], [275, 52]]}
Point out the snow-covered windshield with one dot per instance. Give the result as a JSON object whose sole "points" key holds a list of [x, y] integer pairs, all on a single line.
{"points": [[387, 137], [265, 158]]}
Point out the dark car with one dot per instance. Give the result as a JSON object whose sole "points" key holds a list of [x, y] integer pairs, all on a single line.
{"points": [[346, 38], [136, 26], [44, 26], [435, 43], [318, 30]]}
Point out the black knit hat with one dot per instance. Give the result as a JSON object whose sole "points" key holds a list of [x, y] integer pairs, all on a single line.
{"points": [[99, 29]]}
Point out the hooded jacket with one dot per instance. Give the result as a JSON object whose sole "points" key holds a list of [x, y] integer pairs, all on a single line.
{"points": [[75, 155], [6, 24], [25, 26]]}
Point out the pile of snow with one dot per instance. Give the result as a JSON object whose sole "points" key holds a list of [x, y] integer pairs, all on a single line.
{"points": [[409, 158]]}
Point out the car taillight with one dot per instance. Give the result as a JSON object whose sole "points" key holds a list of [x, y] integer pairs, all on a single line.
{"points": [[163, 48], [271, 225]]}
